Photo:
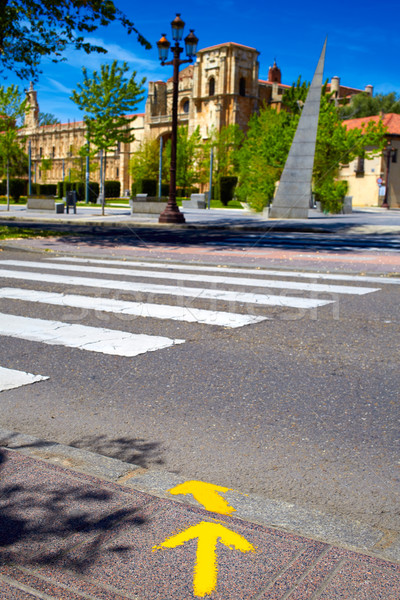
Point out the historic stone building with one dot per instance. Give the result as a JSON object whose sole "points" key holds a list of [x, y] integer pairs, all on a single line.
{"points": [[371, 181], [221, 88]]}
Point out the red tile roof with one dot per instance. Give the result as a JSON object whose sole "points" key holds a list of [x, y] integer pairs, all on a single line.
{"points": [[265, 82], [390, 120]]}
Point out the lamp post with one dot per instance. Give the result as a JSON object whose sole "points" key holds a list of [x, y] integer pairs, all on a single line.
{"points": [[388, 154], [172, 213]]}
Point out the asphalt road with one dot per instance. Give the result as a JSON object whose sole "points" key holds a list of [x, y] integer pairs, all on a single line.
{"points": [[302, 407]]}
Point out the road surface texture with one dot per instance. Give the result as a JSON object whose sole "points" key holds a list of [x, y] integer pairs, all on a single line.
{"points": [[264, 364]]}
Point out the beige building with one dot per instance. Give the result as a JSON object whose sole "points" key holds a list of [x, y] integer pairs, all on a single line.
{"points": [[221, 88], [368, 179]]}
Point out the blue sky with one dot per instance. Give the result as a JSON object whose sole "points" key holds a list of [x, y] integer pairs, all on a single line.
{"points": [[363, 47]]}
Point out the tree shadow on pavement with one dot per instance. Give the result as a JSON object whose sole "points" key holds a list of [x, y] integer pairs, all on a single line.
{"points": [[137, 451], [53, 517]]}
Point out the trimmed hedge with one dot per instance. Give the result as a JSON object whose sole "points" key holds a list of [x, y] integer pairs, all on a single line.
{"points": [[94, 190], [145, 186], [79, 187], [44, 189], [226, 189], [112, 189], [18, 187]]}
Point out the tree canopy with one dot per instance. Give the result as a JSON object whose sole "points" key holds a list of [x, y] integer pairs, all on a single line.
{"points": [[337, 145], [12, 111], [263, 155], [146, 160], [33, 29], [106, 98], [364, 105], [270, 134], [47, 119]]}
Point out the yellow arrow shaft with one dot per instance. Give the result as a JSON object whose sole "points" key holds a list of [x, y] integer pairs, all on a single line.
{"points": [[205, 569]]}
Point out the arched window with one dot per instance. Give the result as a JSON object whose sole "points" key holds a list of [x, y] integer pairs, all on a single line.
{"points": [[185, 107], [242, 86], [211, 86]]}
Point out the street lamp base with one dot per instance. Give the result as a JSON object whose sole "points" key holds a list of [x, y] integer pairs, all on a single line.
{"points": [[171, 215]]}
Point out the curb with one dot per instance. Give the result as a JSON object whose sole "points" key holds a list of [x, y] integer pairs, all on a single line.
{"points": [[262, 227], [339, 531]]}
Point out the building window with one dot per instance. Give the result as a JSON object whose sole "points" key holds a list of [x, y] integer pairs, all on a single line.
{"points": [[70, 151], [117, 172], [242, 86], [185, 107], [53, 151], [394, 155], [359, 166], [40, 152], [211, 86]]}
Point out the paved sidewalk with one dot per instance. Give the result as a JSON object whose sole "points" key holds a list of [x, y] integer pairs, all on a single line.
{"points": [[360, 222], [67, 535]]}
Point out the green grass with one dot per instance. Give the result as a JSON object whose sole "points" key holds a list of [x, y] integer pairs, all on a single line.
{"points": [[24, 232], [125, 201], [21, 201]]}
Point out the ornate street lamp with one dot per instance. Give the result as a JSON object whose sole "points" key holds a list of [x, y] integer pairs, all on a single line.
{"points": [[172, 213]]}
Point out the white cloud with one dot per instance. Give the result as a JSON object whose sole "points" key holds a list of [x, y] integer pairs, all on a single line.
{"points": [[59, 86], [93, 61]]}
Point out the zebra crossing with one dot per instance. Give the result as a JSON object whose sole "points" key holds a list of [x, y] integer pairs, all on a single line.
{"points": [[239, 288]]}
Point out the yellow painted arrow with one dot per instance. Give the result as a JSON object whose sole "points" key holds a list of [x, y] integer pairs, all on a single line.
{"points": [[206, 568], [207, 494]]}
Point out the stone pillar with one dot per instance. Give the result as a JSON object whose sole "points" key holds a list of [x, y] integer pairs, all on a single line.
{"points": [[292, 199]]}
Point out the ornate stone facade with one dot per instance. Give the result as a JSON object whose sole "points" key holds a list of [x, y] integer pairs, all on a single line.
{"points": [[221, 88]]}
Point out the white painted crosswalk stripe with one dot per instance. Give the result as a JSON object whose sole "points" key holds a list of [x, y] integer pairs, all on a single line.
{"points": [[235, 270], [180, 291], [93, 339], [122, 343], [11, 379], [139, 309], [215, 279]]}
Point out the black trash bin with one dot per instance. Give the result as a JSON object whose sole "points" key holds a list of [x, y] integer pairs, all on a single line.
{"points": [[71, 200]]}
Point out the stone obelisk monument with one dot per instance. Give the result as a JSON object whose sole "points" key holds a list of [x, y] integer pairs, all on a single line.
{"points": [[292, 199]]}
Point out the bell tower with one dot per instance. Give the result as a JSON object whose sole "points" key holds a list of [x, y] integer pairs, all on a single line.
{"points": [[225, 86], [32, 114]]}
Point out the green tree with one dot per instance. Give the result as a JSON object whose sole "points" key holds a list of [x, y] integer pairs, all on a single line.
{"points": [[270, 134], [187, 155], [226, 144], [78, 171], [293, 99], [105, 98], [47, 119], [33, 29], [263, 155], [364, 105], [337, 145], [12, 110], [145, 161], [46, 164]]}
